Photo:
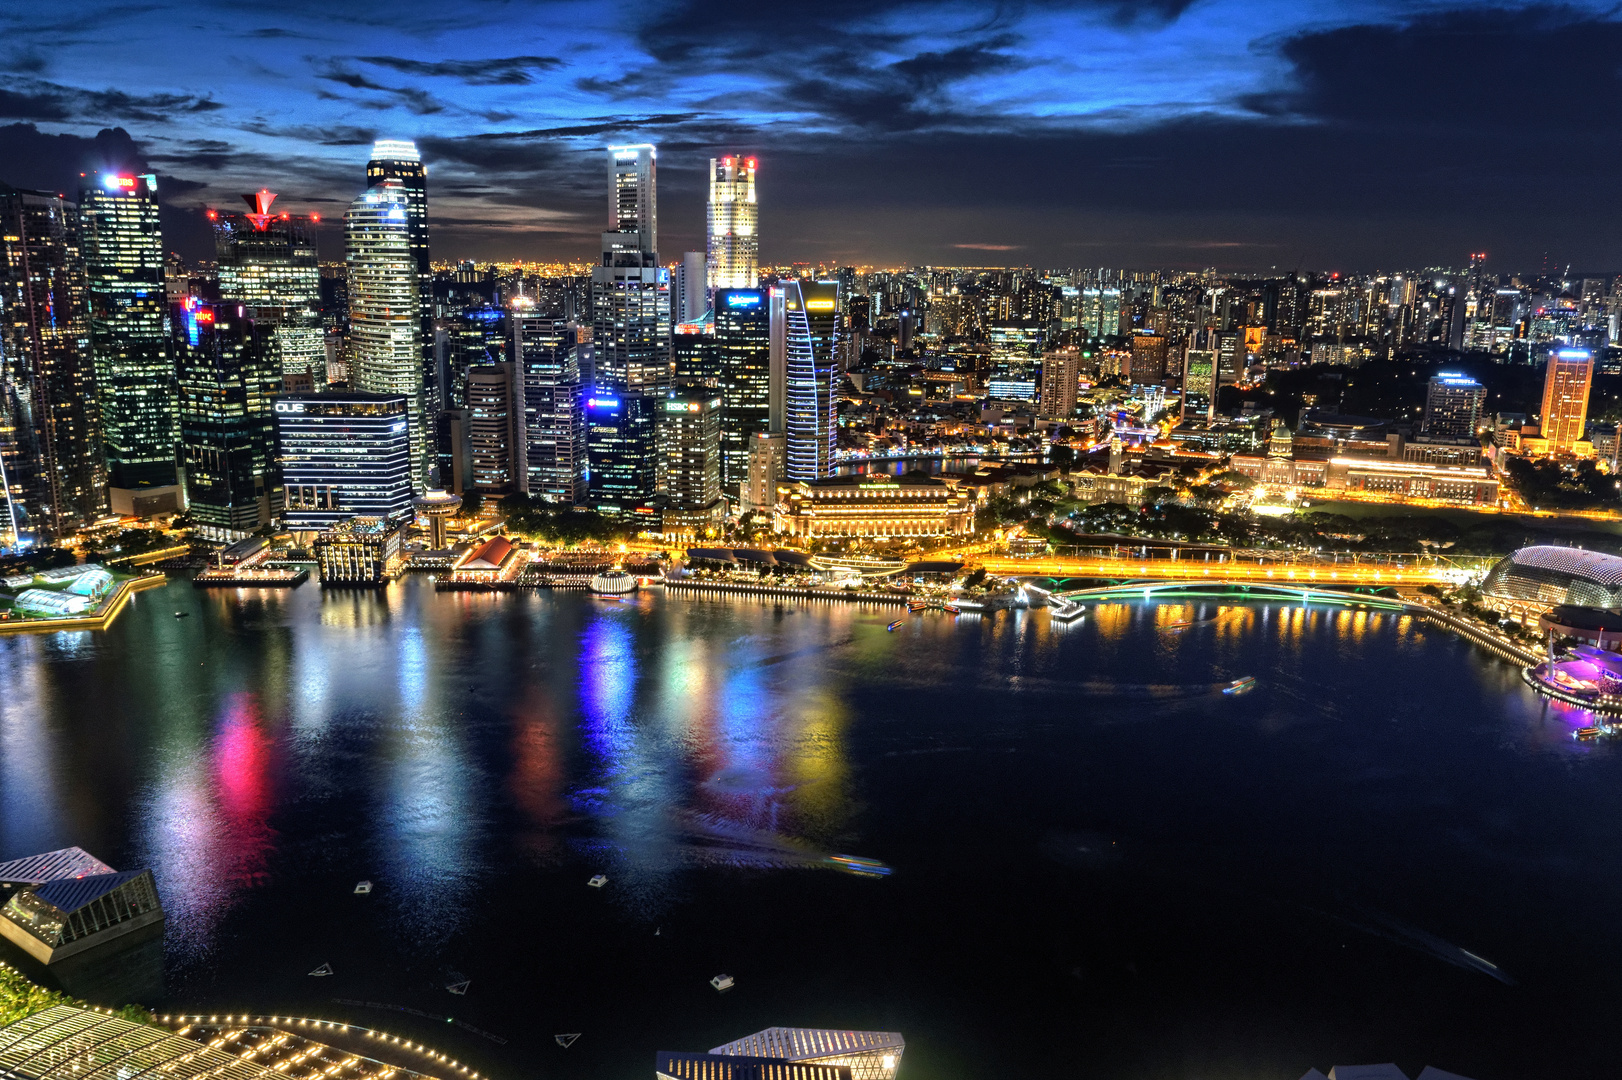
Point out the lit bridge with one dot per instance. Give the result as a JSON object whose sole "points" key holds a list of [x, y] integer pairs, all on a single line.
{"points": [[1243, 571], [1234, 590]]}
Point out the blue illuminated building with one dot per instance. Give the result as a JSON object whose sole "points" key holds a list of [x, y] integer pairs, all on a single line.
{"points": [[621, 446], [743, 352], [343, 454]]}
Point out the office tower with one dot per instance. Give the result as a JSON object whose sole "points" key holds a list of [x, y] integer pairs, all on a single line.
{"points": [[630, 291], [621, 445], [398, 160], [689, 293], [384, 328], [690, 460], [550, 352], [805, 356], [135, 372], [694, 357], [267, 261], [227, 377], [1148, 363], [1566, 382], [734, 217], [768, 453], [1199, 385], [743, 346], [342, 454], [453, 450], [54, 472], [495, 406], [1061, 378], [1453, 406], [1100, 312]]}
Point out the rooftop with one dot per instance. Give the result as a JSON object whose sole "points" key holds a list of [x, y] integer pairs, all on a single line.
{"points": [[70, 862]]}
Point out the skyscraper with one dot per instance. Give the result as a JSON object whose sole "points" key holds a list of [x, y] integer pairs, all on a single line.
{"points": [[804, 333], [227, 378], [734, 218], [550, 351], [630, 291], [267, 261], [1061, 378], [135, 371], [50, 424], [743, 346], [1199, 385], [495, 408], [384, 328], [689, 291], [1566, 382], [1452, 406], [621, 440], [343, 453], [398, 159], [690, 459]]}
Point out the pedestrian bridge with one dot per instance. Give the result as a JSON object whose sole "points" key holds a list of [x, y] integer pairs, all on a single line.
{"points": [[1362, 596]]}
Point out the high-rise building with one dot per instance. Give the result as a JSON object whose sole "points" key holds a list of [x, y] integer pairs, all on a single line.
{"points": [[734, 218], [384, 326], [630, 291], [55, 474], [767, 453], [689, 293], [129, 340], [343, 453], [690, 460], [1199, 385], [743, 347], [551, 354], [1148, 364], [495, 406], [267, 261], [694, 357], [227, 377], [399, 160], [621, 445], [805, 356], [1566, 382], [1452, 406], [1061, 379]]}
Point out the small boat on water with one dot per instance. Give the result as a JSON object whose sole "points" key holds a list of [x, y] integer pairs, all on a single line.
{"points": [[893, 627], [363, 888], [1586, 733], [598, 881], [723, 983], [1240, 686], [1066, 610], [855, 864], [324, 969], [917, 605], [182, 614], [566, 1041], [613, 583]]}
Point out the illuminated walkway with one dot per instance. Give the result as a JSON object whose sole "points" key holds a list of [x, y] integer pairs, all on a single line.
{"points": [[1302, 573], [1177, 590]]}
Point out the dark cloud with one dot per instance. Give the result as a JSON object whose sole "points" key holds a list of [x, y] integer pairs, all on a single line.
{"points": [[30, 158], [15, 106], [504, 71], [413, 98], [907, 95], [35, 99], [27, 61], [272, 33]]}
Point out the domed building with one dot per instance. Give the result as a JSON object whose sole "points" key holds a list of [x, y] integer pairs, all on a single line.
{"points": [[1534, 579]]}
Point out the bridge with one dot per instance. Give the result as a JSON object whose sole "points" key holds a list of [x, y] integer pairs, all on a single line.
{"points": [[1235, 590], [1241, 571]]}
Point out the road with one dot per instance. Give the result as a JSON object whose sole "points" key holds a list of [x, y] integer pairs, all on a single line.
{"points": [[1232, 570]]}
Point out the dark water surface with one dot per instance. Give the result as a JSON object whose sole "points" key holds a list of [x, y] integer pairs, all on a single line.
{"points": [[1390, 850]]}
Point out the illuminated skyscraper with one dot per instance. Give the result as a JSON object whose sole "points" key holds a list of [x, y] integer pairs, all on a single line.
{"points": [[268, 262], [804, 322], [228, 377], [1566, 382], [1199, 386], [1453, 406], [743, 349], [343, 453], [622, 444], [398, 159], [1061, 378], [734, 219], [689, 291], [384, 329], [551, 353], [55, 476], [690, 459], [496, 428], [129, 339], [630, 291]]}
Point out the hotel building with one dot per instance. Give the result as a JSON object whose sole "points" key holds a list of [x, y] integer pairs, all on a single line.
{"points": [[1566, 383], [874, 505], [343, 453]]}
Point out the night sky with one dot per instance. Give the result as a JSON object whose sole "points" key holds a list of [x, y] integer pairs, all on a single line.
{"points": [[1243, 134]]}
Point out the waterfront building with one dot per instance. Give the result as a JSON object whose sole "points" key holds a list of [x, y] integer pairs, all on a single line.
{"points": [[743, 347], [875, 505], [869, 1055], [1452, 406], [129, 341], [1566, 383], [621, 442], [676, 1065], [804, 336], [384, 327], [630, 291], [493, 560], [227, 376], [1061, 379], [552, 356], [689, 288], [496, 429], [64, 902], [361, 550], [53, 473], [268, 262], [398, 161], [768, 451], [436, 508], [1533, 579], [690, 460], [733, 256], [343, 453]]}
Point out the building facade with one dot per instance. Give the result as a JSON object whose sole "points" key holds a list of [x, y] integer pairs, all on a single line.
{"points": [[399, 161], [743, 345], [361, 551], [690, 460], [496, 429], [621, 441], [267, 261], [630, 291], [875, 506], [804, 335], [733, 256], [551, 355], [1452, 406], [1061, 379], [343, 454], [1566, 382]]}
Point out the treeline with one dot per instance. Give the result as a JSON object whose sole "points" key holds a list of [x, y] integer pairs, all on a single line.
{"points": [[553, 523]]}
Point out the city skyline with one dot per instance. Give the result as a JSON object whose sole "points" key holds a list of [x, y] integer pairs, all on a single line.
{"points": [[1235, 134]]}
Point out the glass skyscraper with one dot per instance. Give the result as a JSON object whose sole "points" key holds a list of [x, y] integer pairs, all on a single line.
{"points": [[343, 454], [549, 351], [268, 262], [621, 435], [743, 349], [399, 160], [55, 476], [129, 340], [384, 329], [734, 219], [805, 334]]}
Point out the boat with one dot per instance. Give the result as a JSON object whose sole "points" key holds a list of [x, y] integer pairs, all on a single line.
{"points": [[613, 583], [459, 988], [1066, 610], [363, 888], [1240, 686], [566, 1041], [324, 969], [855, 864], [917, 605], [598, 881], [723, 983], [1586, 733], [893, 627], [182, 614]]}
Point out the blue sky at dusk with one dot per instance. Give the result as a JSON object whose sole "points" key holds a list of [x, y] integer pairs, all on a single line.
{"points": [[1235, 133]]}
